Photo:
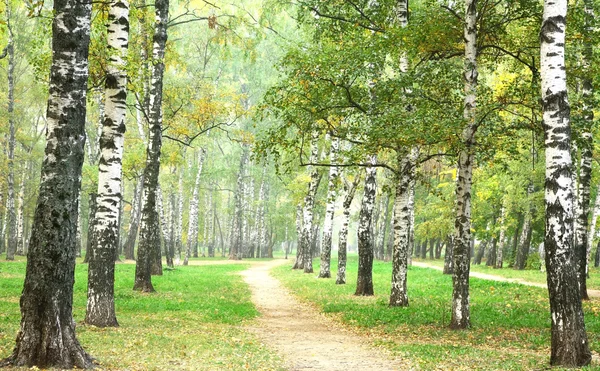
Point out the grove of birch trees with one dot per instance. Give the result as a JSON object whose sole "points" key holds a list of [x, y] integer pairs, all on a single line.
{"points": [[180, 130]]}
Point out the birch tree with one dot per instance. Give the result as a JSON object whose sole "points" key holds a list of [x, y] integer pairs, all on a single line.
{"points": [[309, 202], [349, 191], [325, 270], [462, 241], [364, 281], [569, 343], [192, 235], [402, 228], [101, 272], [11, 217], [46, 336], [150, 227], [586, 149]]}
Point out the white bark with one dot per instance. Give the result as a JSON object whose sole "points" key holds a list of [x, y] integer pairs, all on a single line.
{"points": [[403, 215], [569, 342], [462, 242], [364, 281], [192, 236], [20, 208], [100, 304], [325, 271], [179, 223], [309, 202]]}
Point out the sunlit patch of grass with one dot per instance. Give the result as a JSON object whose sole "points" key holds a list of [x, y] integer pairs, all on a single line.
{"points": [[192, 322], [510, 322]]}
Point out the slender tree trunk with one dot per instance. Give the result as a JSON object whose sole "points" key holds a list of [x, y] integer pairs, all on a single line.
{"points": [[179, 220], [101, 272], [236, 250], [480, 253], [92, 205], [402, 227], [134, 222], [525, 239], [170, 246], [2, 223], [448, 261], [20, 209], [501, 238], [592, 234], [569, 341], [192, 236], [10, 182], [586, 148], [309, 202], [325, 271], [364, 282], [299, 262], [349, 192], [149, 227], [462, 242], [47, 333]]}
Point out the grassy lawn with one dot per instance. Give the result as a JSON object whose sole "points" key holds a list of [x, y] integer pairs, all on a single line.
{"points": [[511, 322], [530, 275], [191, 323]]}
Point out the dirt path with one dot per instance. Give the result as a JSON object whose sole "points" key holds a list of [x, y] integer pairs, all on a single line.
{"points": [[491, 277], [304, 338]]}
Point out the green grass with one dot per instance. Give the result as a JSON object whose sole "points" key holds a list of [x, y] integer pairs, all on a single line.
{"points": [[529, 275], [191, 323], [510, 322]]}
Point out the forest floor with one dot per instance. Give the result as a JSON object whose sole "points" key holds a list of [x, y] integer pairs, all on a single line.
{"points": [[492, 277], [305, 338]]}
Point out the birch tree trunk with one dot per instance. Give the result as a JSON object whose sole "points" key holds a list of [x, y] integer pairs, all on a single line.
{"points": [[309, 202], [364, 282], [298, 264], [134, 222], [193, 214], [582, 246], [592, 233], [46, 336], [325, 271], [236, 249], [569, 343], [462, 224], [501, 238], [150, 228], [411, 232], [2, 223], [100, 310], [20, 207], [11, 219], [402, 227], [179, 224], [525, 239]]}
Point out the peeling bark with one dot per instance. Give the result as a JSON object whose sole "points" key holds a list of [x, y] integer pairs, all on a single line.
{"points": [[569, 343], [325, 271], [309, 202], [402, 227], [101, 272], [349, 192], [46, 336], [149, 226], [462, 224], [364, 281]]}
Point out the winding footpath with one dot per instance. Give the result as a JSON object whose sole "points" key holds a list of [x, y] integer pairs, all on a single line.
{"points": [[304, 338]]}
